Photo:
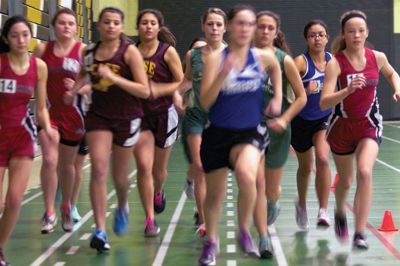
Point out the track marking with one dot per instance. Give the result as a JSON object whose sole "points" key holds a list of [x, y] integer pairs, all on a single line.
{"points": [[231, 248], [162, 251], [66, 236], [278, 251], [72, 250]]}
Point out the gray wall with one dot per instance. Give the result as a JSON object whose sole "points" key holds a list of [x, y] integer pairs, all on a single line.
{"points": [[183, 18]]}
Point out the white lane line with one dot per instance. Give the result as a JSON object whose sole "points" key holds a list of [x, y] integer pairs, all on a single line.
{"points": [[230, 223], [230, 213], [162, 251], [229, 197], [86, 166], [113, 206], [229, 204], [279, 255], [85, 236], [394, 140], [31, 198], [229, 184], [388, 165], [108, 214], [229, 191], [389, 125], [72, 250], [59, 263], [65, 237], [40, 193], [231, 263], [231, 248], [230, 235], [62, 239]]}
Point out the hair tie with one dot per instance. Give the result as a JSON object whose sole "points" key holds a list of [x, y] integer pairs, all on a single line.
{"points": [[350, 16]]}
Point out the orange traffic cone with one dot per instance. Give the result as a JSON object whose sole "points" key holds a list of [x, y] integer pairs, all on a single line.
{"points": [[335, 182], [388, 223]]}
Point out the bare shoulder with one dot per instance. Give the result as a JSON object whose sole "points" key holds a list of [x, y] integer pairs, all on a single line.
{"points": [[132, 52], [265, 54], [171, 53], [39, 49], [40, 63], [380, 58], [301, 63], [83, 48]]}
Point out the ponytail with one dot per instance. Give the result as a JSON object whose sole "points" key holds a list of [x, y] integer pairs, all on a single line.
{"points": [[165, 35], [338, 44], [280, 42]]}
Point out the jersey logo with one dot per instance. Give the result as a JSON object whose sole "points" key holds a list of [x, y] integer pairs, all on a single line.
{"points": [[71, 65], [350, 77], [8, 86], [317, 84], [103, 84], [150, 68]]}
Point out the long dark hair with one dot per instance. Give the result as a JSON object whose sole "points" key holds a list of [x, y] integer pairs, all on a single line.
{"points": [[280, 39], [11, 21], [236, 9], [118, 11], [164, 35]]}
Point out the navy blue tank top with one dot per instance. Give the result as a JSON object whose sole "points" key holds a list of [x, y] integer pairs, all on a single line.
{"points": [[312, 111], [239, 104]]}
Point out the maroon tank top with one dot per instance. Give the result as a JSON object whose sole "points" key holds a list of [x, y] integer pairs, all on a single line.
{"points": [[15, 93], [158, 71], [60, 68], [109, 100]]}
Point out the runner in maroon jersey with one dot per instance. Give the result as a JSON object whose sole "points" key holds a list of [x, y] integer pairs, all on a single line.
{"points": [[21, 76], [356, 126], [160, 121], [63, 59], [113, 121]]}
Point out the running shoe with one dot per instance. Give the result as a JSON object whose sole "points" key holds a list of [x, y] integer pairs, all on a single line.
{"points": [[360, 242], [189, 189], [159, 202], [99, 241], [273, 212], [246, 243], [209, 253], [302, 216], [48, 223], [341, 230], [120, 223], [75, 214], [3, 261], [151, 228], [66, 220], [265, 248], [323, 218]]}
